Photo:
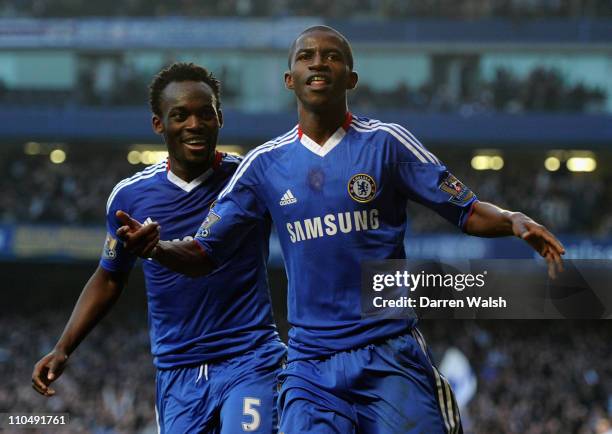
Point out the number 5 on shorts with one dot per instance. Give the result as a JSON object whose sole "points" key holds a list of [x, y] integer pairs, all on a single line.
{"points": [[249, 410]]}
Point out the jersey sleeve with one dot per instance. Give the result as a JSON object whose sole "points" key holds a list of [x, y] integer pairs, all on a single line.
{"points": [[238, 208], [114, 256], [423, 178]]}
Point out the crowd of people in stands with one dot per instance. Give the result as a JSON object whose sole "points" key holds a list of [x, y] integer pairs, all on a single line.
{"points": [[38, 191], [550, 379], [109, 387], [542, 90], [564, 202], [534, 377], [467, 9]]}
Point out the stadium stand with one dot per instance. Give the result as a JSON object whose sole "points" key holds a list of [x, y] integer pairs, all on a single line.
{"points": [[112, 373], [38, 191], [543, 90], [469, 9], [561, 366]]}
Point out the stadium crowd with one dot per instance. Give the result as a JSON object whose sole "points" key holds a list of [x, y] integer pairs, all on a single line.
{"points": [[37, 191], [545, 377], [109, 387], [551, 379], [577, 203], [466, 9], [542, 90]]}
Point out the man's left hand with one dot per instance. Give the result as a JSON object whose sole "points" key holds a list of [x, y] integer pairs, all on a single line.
{"points": [[542, 241]]}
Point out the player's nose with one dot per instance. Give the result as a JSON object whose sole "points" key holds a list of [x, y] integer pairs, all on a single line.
{"points": [[195, 122], [318, 61]]}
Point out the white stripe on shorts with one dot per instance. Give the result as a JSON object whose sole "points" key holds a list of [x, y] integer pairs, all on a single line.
{"points": [[446, 398]]}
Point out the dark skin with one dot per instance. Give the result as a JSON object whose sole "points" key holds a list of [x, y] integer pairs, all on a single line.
{"points": [[322, 108], [189, 123], [320, 75], [488, 220], [321, 103], [185, 257], [98, 296]]}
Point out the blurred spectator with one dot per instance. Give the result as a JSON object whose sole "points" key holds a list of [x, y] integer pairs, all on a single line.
{"points": [[546, 379]]}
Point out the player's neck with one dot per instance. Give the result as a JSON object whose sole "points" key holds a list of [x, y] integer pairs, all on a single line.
{"points": [[320, 125], [188, 172]]}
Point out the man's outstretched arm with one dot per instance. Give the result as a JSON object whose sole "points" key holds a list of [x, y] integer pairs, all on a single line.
{"points": [[488, 220], [185, 257], [98, 296]]}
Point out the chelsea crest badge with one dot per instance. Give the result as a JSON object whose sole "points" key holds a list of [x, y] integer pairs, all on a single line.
{"points": [[362, 188]]}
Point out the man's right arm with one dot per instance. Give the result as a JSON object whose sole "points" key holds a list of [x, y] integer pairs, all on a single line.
{"points": [[185, 257], [98, 296], [237, 209]]}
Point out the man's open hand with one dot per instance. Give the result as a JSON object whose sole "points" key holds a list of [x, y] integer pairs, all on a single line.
{"points": [[542, 241]]}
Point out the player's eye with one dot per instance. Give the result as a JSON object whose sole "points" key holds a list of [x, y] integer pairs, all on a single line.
{"points": [[178, 116], [303, 55]]}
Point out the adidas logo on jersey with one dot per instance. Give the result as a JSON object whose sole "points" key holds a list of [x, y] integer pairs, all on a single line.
{"points": [[287, 199], [149, 220]]}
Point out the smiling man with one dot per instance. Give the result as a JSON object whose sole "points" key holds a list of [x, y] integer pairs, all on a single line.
{"points": [[336, 187], [213, 338]]}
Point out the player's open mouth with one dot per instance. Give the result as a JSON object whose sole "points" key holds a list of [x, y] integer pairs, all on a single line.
{"points": [[318, 81]]}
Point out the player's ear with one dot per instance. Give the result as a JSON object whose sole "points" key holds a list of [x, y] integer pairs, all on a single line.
{"points": [[288, 80], [352, 81], [220, 116], [158, 125]]}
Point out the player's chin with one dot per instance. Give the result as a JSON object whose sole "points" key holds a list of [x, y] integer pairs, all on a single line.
{"points": [[317, 99], [197, 153], [324, 96], [198, 159], [194, 158]]}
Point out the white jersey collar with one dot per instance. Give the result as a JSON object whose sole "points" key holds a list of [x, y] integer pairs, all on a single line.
{"points": [[188, 186], [331, 143]]}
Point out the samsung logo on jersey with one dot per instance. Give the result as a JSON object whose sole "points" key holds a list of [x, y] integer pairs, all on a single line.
{"points": [[331, 224], [187, 238]]}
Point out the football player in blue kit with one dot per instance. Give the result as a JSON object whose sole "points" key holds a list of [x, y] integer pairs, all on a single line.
{"points": [[213, 338], [336, 187]]}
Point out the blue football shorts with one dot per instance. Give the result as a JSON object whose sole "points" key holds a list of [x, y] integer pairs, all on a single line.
{"points": [[386, 388], [237, 395]]}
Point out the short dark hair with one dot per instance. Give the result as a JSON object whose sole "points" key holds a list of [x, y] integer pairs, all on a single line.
{"points": [[181, 71], [348, 51]]}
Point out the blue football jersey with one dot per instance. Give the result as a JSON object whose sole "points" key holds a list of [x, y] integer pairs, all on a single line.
{"points": [[334, 206], [194, 320]]}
